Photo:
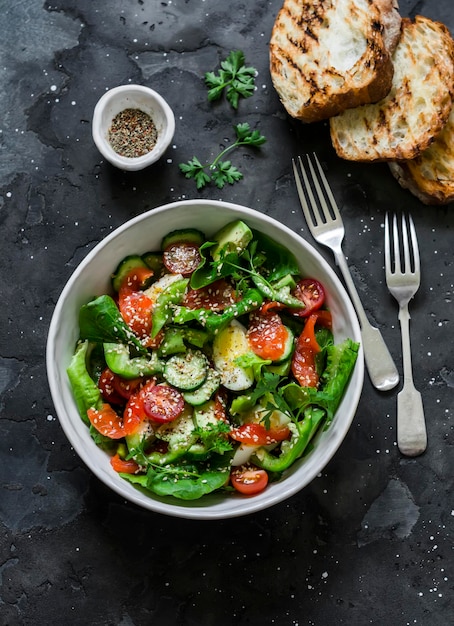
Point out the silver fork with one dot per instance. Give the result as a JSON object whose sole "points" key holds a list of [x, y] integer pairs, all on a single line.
{"points": [[403, 284], [326, 226]]}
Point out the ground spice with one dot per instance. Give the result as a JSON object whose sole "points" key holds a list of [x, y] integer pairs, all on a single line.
{"points": [[132, 133]]}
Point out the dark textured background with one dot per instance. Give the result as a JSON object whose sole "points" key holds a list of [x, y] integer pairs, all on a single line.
{"points": [[370, 541]]}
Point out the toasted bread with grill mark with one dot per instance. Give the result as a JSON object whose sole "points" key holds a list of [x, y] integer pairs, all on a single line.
{"points": [[404, 123], [328, 55], [430, 176]]}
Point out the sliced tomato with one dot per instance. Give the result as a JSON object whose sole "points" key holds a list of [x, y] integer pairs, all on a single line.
{"points": [[125, 388], [182, 258], [106, 384], [303, 360], [267, 335], [258, 435], [134, 413], [107, 422], [123, 466], [311, 293], [214, 297], [248, 479], [136, 279], [163, 403]]}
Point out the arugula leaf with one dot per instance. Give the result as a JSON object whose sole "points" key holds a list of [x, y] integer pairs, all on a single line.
{"points": [[234, 77], [221, 172]]}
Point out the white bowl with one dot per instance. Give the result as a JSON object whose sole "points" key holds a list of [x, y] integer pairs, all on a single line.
{"points": [[92, 278], [132, 97]]}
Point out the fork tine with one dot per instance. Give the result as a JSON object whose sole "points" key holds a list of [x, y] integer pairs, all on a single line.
{"points": [[396, 245], [388, 267], [407, 262], [314, 217], [414, 245], [326, 186]]}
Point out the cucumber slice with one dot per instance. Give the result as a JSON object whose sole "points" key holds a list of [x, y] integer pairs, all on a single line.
{"points": [[154, 261], [120, 362], [186, 235], [186, 371], [125, 266], [203, 393], [289, 346], [282, 368]]}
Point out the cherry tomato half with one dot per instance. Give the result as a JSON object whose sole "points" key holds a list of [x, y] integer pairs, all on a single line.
{"points": [[214, 297], [258, 435], [182, 258], [267, 335], [134, 413], [126, 388], [106, 384], [311, 293], [248, 479], [163, 403]]}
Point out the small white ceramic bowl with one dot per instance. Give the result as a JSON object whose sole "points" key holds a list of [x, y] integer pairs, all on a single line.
{"points": [[92, 278], [132, 97]]}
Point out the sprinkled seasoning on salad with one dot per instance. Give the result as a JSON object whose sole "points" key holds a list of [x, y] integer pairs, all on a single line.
{"points": [[211, 367]]}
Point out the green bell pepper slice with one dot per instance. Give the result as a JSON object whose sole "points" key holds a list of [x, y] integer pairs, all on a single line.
{"points": [[165, 303], [119, 361], [301, 434], [276, 295], [214, 322]]}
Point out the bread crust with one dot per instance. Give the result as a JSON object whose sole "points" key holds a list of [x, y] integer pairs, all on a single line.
{"points": [[328, 55], [405, 122], [430, 176]]}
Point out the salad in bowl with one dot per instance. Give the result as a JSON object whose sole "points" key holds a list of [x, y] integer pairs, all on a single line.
{"points": [[211, 366]]}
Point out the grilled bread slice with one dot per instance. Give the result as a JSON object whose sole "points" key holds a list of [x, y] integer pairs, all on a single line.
{"points": [[328, 55], [404, 123], [430, 176]]}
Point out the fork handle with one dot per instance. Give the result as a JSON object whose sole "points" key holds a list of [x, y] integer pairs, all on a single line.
{"points": [[411, 426], [380, 365]]}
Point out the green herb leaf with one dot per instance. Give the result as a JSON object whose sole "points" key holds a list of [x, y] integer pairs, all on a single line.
{"points": [[194, 169], [234, 77], [224, 173], [218, 171], [247, 136]]}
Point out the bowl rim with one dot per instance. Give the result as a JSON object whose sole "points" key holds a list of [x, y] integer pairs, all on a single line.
{"points": [[132, 163], [193, 510]]}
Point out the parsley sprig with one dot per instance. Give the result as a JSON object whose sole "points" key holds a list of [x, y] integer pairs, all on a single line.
{"points": [[269, 387], [219, 171], [234, 77]]}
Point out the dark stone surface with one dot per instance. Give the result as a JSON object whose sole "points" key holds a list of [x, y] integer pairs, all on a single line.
{"points": [[370, 541]]}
